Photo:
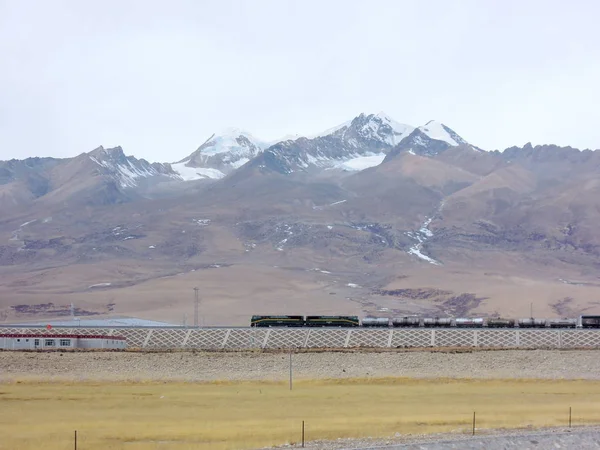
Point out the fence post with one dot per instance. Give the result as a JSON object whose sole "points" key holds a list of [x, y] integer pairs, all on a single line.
{"points": [[75, 439], [303, 434], [569, 417], [473, 423]]}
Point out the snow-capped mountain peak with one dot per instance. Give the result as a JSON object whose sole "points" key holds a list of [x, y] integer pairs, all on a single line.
{"points": [[353, 145], [358, 144], [229, 140], [440, 132], [387, 129], [377, 127], [220, 154], [430, 139]]}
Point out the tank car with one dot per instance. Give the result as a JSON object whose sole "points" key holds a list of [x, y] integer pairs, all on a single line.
{"points": [[498, 322], [438, 322], [563, 323], [532, 323], [406, 322], [379, 322], [590, 321], [468, 322]]}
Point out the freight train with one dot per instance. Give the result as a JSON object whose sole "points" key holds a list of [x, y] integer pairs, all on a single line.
{"points": [[422, 322]]}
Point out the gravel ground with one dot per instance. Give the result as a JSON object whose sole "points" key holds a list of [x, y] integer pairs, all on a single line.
{"points": [[545, 438], [207, 366]]}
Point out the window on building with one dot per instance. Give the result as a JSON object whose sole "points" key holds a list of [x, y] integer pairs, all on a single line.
{"points": [[49, 343], [65, 342], [18, 340], [37, 342]]}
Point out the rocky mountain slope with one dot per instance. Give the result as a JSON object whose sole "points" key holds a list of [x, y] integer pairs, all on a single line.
{"points": [[102, 176], [368, 217]]}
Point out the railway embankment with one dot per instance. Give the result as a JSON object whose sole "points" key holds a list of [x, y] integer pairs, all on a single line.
{"points": [[256, 365]]}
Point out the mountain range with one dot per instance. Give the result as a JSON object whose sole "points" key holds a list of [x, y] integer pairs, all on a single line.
{"points": [[369, 217]]}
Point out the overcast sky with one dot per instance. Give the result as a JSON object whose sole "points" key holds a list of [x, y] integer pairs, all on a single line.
{"points": [[159, 77]]}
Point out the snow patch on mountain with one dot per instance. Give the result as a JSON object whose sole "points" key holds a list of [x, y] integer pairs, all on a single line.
{"points": [[440, 132], [362, 162], [421, 236], [186, 173], [239, 163]]}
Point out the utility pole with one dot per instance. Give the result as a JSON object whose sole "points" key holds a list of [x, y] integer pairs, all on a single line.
{"points": [[196, 307], [531, 310]]}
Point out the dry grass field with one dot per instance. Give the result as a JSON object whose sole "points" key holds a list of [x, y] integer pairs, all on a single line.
{"points": [[243, 415]]}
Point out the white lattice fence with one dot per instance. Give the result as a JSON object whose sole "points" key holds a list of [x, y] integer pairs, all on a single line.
{"points": [[166, 338], [273, 338], [205, 338], [411, 337], [580, 338], [136, 337], [247, 338], [327, 338], [497, 338], [539, 338], [291, 338], [369, 338], [453, 338]]}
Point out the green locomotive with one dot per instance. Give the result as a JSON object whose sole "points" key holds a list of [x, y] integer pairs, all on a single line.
{"points": [[301, 321]]}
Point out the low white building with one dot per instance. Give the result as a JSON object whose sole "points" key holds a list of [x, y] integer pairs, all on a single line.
{"points": [[60, 341]]}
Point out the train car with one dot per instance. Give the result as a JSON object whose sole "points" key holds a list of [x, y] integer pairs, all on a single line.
{"points": [[532, 323], [332, 321], [498, 322], [563, 323], [468, 322], [277, 321], [379, 322], [410, 321], [590, 321], [437, 322]]}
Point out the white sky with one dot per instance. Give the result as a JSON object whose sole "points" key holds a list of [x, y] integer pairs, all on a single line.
{"points": [[159, 77]]}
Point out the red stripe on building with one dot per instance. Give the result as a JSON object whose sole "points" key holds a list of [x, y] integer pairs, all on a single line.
{"points": [[63, 336]]}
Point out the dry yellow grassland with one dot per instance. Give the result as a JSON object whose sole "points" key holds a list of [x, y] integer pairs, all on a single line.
{"points": [[241, 415]]}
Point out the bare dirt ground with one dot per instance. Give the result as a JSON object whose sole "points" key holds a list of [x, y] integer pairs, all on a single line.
{"points": [[290, 285], [212, 366]]}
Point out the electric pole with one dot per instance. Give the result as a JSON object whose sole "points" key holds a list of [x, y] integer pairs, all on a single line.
{"points": [[531, 310], [196, 307]]}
